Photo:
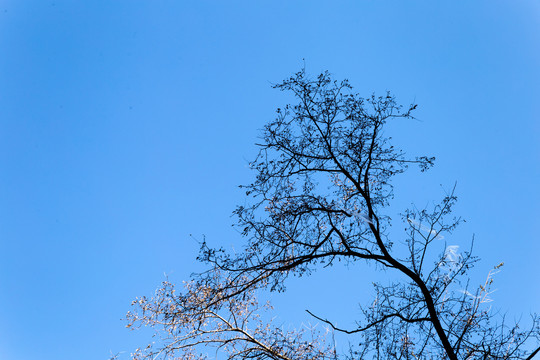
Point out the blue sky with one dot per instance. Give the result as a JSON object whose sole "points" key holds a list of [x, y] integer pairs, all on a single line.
{"points": [[126, 126]]}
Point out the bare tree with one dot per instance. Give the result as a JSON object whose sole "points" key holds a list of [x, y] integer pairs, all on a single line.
{"points": [[323, 182]]}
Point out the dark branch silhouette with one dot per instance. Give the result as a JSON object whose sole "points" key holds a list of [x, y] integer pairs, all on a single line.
{"points": [[324, 178]]}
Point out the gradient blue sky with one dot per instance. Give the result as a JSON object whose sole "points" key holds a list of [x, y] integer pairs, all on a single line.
{"points": [[125, 126]]}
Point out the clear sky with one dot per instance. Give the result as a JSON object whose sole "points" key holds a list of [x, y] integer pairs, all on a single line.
{"points": [[126, 126]]}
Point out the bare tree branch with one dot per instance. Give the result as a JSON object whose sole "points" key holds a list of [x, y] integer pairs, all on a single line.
{"points": [[321, 194]]}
